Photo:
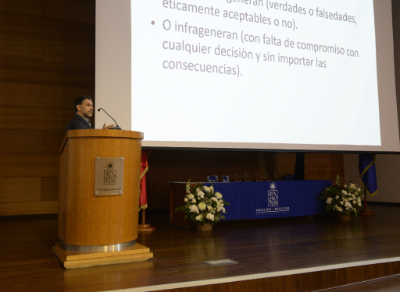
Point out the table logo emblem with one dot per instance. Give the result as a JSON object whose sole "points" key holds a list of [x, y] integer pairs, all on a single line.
{"points": [[273, 195]]}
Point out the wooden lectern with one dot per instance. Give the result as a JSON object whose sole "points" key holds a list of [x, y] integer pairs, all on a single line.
{"points": [[94, 227]]}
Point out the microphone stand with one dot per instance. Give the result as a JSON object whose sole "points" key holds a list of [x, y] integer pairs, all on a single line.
{"points": [[116, 127], [234, 174]]}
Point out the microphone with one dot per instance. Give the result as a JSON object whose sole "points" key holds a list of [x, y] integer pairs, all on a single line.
{"points": [[276, 176], [116, 127], [255, 176], [245, 174], [266, 175], [234, 174]]}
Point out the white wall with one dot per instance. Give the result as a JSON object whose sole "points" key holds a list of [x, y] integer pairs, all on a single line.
{"points": [[113, 62], [388, 176]]}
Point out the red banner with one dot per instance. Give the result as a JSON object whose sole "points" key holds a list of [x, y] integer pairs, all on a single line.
{"points": [[144, 167]]}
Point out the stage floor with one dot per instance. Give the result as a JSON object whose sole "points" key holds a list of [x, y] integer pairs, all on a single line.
{"points": [[261, 247]]}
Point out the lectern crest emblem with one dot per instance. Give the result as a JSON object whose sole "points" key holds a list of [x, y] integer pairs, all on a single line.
{"points": [[110, 174], [273, 195]]}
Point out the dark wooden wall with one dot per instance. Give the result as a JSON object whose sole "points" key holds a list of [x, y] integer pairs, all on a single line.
{"points": [[46, 61], [167, 166]]}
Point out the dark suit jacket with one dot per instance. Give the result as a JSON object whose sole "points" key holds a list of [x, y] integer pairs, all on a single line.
{"points": [[78, 123]]}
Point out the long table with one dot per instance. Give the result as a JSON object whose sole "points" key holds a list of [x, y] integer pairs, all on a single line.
{"points": [[255, 200]]}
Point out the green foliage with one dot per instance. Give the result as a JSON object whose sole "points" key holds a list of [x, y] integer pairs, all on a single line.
{"points": [[342, 198], [202, 204]]}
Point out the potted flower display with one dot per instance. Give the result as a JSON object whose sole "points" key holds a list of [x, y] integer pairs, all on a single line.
{"points": [[203, 206], [342, 199]]}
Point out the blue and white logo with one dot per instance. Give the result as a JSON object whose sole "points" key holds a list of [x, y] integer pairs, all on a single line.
{"points": [[273, 195]]}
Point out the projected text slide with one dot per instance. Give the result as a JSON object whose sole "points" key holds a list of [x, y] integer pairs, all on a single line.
{"points": [[255, 71]]}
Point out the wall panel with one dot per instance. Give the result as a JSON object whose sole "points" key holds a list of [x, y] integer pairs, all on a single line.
{"points": [[35, 118], [46, 61], [68, 53], [49, 189], [63, 96], [28, 208], [51, 140], [28, 7], [20, 48], [324, 166], [21, 71], [21, 25], [20, 94], [81, 11], [28, 165], [39, 27], [68, 31], [284, 163], [20, 141], [318, 166], [68, 75], [20, 189]]}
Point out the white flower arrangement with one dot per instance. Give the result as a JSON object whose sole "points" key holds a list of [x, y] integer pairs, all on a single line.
{"points": [[203, 205], [342, 199]]}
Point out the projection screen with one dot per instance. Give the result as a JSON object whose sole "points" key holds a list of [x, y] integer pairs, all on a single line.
{"points": [[249, 74]]}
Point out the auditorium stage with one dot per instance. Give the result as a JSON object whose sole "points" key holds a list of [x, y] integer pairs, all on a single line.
{"points": [[291, 254]]}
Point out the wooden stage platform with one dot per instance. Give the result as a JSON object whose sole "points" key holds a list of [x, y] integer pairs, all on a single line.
{"points": [[293, 254]]}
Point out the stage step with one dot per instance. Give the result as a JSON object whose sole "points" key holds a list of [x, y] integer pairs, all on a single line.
{"points": [[321, 278], [384, 284]]}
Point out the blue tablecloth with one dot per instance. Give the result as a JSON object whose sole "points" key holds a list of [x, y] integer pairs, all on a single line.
{"points": [[254, 200]]}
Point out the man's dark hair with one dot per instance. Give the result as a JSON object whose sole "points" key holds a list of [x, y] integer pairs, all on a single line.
{"points": [[80, 99]]}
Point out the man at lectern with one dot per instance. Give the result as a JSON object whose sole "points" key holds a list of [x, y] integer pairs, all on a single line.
{"points": [[84, 111]]}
